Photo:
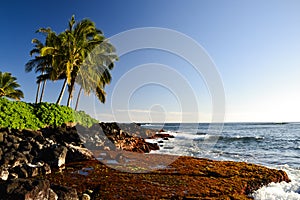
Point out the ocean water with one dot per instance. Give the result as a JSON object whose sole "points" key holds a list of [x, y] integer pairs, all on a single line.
{"points": [[275, 145]]}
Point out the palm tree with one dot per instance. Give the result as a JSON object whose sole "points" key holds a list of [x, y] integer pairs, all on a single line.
{"points": [[47, 63], [75, 44], [94, 73], [36, 63], [41, 64], [8, 87]]}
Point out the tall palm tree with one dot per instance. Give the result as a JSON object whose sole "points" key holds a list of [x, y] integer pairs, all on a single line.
{"points": [[49, 60], [41, 64], [94, 74], [8, 87], [76, 43], [37, 63]]}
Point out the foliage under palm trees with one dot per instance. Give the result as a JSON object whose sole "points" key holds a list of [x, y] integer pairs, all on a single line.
{"points": [[79, 55], [8, 87]]}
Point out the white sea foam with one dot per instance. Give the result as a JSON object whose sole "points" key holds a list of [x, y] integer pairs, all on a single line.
{"points": [[283, 190], [186, 136]]}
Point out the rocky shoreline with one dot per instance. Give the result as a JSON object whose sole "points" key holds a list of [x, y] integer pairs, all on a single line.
{"points": [[63, 163]]}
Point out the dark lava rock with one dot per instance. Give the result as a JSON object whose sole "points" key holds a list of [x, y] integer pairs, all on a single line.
{"points": [[25, 189], [55, 155], [162, 135], [65, 193], [25, 146], [62, 135], [1, 136], [76, 154]]}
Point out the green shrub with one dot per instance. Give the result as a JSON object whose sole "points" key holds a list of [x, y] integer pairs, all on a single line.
{"points": [[53, 114], [18, 115], [84, 119], [21, 115]]}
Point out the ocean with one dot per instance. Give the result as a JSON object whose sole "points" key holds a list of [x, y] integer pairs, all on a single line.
{"points": [[275, 145]]}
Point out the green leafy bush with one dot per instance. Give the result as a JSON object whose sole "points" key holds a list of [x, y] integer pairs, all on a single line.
{"points": [[21, 115], [84, 119], [18, 115], [53, 114]]}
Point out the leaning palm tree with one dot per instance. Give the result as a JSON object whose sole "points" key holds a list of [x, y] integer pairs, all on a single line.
{"points": [[94, 73], [40, 64], [8, 87]]}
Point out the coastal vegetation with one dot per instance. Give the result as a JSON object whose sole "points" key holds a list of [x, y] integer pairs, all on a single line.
{"points": [[8, 86], [21, 115], [79, 55]]}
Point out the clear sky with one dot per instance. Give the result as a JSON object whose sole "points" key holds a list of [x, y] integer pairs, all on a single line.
{"points": [[254, 44]]}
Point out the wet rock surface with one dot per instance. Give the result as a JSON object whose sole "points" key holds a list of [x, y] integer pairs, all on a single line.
{"points": [[185, 178], [25, 153], [60, 163]]}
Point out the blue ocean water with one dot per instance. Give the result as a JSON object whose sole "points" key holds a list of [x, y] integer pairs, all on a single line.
{"points": [[275, 145]]}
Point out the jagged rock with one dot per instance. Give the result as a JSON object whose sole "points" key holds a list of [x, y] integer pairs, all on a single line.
{"points": [[25, 146], [29, 157], [2, 136], [19, 159], [52, 195], [162, 135], [39, 168], [4, 173], [46, 169], [32, 171], [31, 133], [26, 189], [65, 193], [55, 155], [62, 135], [56, 146], [20, 171], [76, 153], [13, 176]]}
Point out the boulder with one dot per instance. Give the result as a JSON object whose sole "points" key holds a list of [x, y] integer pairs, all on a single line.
{"points": [[26, 189], [76, 154], [55, 155]]}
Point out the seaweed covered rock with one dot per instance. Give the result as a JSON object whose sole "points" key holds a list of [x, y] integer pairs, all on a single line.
{"points": [[185, 178]]}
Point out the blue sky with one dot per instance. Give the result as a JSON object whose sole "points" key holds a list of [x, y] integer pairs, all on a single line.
{"points": [[255, 46]]}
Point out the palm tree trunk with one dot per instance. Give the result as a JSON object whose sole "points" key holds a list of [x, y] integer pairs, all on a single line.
{"points": [[71, 90], [77, 101], [37, 92], [62, 92], [43, 90]]}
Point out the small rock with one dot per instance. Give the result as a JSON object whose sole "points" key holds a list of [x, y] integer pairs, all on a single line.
{"points": [[65, 193], [1, 137], [86, 197], [4, 174], [52, 195], [13, 176]]}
